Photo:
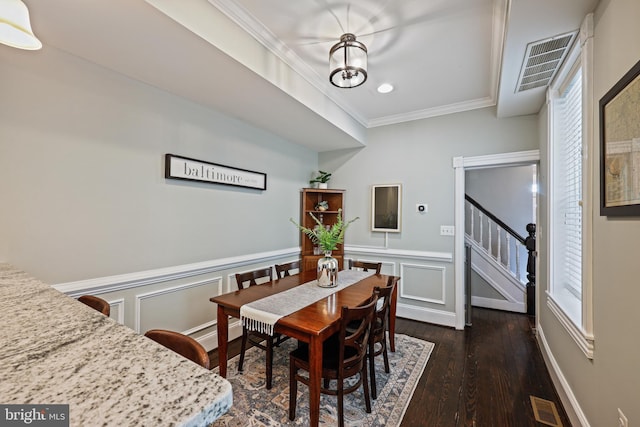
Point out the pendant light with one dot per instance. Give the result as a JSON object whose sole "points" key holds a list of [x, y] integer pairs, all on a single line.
{"points": [[348, 62], [15, 28]]}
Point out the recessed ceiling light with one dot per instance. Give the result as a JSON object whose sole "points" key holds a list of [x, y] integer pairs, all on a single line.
{"points": [[385, 88]]}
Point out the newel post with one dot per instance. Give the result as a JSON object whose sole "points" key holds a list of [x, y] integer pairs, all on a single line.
{"points": [[530, 244]]}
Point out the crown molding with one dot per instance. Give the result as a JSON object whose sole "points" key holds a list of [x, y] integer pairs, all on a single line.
{"points": [[433, 112], [263, 35]]}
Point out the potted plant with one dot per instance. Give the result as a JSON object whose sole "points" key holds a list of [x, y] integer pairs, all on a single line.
{"points": [[321, 179], [327, 237]]}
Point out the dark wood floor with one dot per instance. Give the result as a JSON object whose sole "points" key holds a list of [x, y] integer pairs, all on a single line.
{"points": [[482, 376]]}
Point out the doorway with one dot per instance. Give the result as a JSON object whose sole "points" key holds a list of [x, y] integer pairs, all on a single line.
{"points": [[461, 166]]}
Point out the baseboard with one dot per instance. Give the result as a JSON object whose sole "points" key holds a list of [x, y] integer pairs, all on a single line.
{"points": [[429, 315], [497, 304], [569, 400]]}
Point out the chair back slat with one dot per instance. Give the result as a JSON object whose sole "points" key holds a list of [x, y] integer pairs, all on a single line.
{"points": [[252, 276], [284, 270], [365, 266]]}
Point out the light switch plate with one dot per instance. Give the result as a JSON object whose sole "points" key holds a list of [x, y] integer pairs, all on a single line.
{"points": [[447, 230]]}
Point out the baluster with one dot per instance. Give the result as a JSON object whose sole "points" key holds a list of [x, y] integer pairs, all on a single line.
{"points": [[499, 232], [489, 236], [471, 221], [481, 228], [518, 276], [508, 243]]}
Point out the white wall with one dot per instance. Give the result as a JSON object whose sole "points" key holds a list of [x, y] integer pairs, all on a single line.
{"points": [[419, 156], [595, 389]]}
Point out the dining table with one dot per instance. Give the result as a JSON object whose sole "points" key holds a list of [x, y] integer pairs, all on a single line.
{"points": [[311, 324]]}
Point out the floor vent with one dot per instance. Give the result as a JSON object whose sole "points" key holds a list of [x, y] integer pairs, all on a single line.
{"points": [[545, 412], [542, 60]]}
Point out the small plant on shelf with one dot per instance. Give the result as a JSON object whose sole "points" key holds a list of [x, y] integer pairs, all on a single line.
{"points": [[326, 237], [321, 179]]}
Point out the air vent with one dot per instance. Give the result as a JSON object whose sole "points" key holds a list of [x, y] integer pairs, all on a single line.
{"points": [[542, 59]]}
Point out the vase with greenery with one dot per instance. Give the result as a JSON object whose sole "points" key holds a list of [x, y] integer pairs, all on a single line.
{"points": [[327, 237], [321, 179]]}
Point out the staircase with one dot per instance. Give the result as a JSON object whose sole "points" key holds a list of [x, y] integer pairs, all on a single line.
{"points": [[503, 258]]}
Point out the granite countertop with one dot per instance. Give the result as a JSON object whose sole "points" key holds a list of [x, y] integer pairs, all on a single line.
{"points": [[55, 350]]}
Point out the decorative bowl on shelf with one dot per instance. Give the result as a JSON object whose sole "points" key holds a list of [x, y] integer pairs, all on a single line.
{"points": [[322, 206]]}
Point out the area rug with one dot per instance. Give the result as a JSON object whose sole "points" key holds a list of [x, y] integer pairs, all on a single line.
{"points": [[254, 405]]}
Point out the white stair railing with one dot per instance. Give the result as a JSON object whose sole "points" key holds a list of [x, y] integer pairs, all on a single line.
{"points": [[498, 242]]}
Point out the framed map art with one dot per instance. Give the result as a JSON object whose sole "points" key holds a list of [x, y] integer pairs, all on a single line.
{"points": [[620, 147]]}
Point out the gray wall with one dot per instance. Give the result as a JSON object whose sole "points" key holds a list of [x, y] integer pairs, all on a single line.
{"points": [[419, 156], [82, 178], [85, 204], [612, 379]]}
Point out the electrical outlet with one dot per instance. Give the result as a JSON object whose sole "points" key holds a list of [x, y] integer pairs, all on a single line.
{"points": [[622, 419], [447, 230], [422, 208]]}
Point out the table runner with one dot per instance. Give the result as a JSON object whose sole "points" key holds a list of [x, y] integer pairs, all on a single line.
{"points": [[262, 315]]}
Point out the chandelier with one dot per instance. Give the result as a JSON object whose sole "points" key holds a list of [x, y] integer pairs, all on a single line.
{"points": [[348, 62]]}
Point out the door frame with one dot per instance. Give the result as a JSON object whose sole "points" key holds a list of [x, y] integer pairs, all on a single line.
{"points": [[460, 165]]}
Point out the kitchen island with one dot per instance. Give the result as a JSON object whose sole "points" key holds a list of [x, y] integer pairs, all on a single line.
{"points": [[55, 350]]}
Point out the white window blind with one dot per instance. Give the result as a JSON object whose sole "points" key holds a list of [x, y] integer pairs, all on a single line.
{"points": [[567, 188]]}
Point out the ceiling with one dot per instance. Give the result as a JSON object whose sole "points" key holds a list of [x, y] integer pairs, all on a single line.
{"points": [[266, 62]]}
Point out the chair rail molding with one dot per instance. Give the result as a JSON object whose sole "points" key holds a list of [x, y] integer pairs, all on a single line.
{"points": [[399, 253], [150, 277]]}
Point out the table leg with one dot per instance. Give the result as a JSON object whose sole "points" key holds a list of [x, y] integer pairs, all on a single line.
{"points": [[392, 319], [223, 340], [315, 377]]}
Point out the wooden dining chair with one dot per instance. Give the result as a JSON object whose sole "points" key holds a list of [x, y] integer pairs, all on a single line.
{"points": [[256, 338], [96, 303], [284, 270], [365, 266], [343, 357], [181, 344], [378, 335]]}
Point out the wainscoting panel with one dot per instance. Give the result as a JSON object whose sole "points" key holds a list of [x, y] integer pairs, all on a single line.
{"points": [[185, 308], [425, 290], [176, 297], [117, 309], [425, 283]]}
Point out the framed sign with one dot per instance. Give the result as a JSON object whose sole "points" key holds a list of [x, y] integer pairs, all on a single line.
{"points": [[178, 167], [620, 147], [386, 207]]}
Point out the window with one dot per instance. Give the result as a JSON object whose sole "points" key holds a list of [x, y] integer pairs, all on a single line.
{"points": [[570, 142]]}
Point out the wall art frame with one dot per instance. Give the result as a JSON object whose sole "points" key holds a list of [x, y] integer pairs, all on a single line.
{"points": [[187, 169], [386, 208], [619, 113]]}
